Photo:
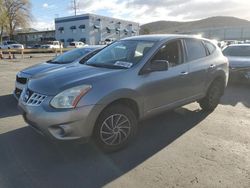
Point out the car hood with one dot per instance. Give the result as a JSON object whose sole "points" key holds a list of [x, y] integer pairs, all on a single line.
{"points": [[239, 62], [42, 67], [54, 81]]}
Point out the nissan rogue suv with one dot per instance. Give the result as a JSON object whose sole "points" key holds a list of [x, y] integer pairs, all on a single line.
{"points": [[129, 80]]}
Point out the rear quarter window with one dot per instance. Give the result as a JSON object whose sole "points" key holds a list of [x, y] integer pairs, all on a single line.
{"points": [[195, 49], [210, 47]]}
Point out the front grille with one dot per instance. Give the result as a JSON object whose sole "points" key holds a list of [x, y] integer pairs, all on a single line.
{"points": [[36, 99], [21, 80], [32, 99]]}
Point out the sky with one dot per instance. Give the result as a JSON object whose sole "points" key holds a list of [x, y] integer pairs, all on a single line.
{"points": [[143, 11]]}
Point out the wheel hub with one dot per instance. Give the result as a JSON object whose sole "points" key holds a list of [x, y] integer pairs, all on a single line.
{"points": [[115, 129]]}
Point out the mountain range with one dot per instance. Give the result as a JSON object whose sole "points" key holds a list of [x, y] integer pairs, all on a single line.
{"points": [[159, 27]]}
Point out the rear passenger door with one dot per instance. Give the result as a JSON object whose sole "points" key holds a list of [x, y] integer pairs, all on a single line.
{"points": [[196, 59]]}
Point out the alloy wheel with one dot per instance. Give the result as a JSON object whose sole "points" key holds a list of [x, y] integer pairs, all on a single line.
{"points": [[115, 129]]}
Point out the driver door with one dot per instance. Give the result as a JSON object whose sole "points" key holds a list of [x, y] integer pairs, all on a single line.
{"points": [[164, 89]]}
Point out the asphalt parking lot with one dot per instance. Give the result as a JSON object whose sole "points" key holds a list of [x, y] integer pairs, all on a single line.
{"points": [[182, 148]]}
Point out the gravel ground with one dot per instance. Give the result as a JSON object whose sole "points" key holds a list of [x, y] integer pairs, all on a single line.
{"points": [[183, 148]]}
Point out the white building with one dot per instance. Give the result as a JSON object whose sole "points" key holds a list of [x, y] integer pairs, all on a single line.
{"points": [[92, 29]]}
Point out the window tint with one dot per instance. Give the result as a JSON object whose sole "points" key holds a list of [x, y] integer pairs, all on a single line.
{"points": [[210, 47], [195, 49], [70, 56], [237, 51], [170, 52]]}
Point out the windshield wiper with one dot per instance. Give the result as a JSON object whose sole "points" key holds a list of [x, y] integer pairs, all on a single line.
{"points": [[55, 62], [52, 61], [106, 66], [58, 62]]}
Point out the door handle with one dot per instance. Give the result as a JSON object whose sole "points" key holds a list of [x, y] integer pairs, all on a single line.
{"points": [[184, 73]]}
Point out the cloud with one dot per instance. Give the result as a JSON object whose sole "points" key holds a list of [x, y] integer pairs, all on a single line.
{"points": [[144, 11], [43, 25], [45, 5], [48, 6]]}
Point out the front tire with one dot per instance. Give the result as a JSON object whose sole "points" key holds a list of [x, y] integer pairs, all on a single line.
{"points": [[115, 128], [212, 99]]}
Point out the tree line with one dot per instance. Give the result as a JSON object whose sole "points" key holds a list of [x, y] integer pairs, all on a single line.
{"points": [[14, 14]]}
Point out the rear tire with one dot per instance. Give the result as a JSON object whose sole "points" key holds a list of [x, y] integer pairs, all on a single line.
{"points": [[115, 128], [212, 99]]}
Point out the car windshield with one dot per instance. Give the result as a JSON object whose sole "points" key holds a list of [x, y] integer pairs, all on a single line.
{"points": [[70, 56], [121, 54], [243, 51], [89, 55]]}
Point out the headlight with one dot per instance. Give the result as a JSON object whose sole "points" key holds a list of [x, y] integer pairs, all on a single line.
{"points": [[70, 97]]}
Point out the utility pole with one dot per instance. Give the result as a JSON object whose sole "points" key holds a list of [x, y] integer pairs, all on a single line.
{"points": [[74, 6]]}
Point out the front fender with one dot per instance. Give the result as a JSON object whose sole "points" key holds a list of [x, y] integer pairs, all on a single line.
{"points": [[123, 94]]}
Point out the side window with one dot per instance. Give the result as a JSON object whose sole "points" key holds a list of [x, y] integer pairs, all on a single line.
{"points": [[210, 47], [171, 52], [195, 49]]}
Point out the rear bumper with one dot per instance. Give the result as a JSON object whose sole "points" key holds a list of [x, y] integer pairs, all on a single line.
{"points": [[239, 75]]}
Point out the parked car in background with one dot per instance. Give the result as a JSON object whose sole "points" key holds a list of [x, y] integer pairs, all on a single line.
{"points": [[11, 45], [76, 44], [229, 42], [127, 81], [110, 40], [52, 45], [107, 41], [222, 44], [35, 46], [239, 62], [72, 56]]}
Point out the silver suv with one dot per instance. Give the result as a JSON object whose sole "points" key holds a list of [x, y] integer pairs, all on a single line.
{"points": [[127, 81]]}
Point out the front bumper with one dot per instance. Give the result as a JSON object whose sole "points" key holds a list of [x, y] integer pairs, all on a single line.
{"points": [[70, 124]]}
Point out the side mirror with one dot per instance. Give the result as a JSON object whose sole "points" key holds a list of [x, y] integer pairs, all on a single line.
{"points": [[156, 65]]}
